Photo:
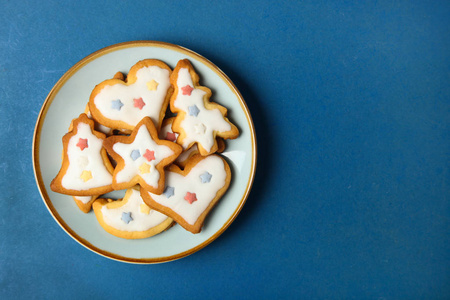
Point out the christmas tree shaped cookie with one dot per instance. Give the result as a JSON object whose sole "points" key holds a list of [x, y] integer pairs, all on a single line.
{"points": [[198, 120], [86, 169], [121, 103], [141, 157]]}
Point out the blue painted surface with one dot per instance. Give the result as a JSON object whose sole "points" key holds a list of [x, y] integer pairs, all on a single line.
{"points": [[351, 107]]}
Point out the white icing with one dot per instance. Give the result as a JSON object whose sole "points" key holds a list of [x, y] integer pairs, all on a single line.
{"points": [[141, 221], [128, 113], [142, 142], [89, 159], [84, 199], [205, 192], [198, 128]]}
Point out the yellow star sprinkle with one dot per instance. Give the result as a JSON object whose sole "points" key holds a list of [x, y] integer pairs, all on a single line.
{"points": [[144, 168], [145, 209], [152, 85], [86, 175]]}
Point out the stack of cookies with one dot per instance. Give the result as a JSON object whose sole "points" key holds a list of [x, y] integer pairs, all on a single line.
{"points": [[155, 134]]}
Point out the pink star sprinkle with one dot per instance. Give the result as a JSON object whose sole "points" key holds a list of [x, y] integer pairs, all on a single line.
{"points": [[190, 197], [149, 155], [82, 143], [139, 103], [187, 90]]}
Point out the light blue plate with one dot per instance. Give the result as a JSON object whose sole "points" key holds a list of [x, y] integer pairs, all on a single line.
{"points": [[68, 99]]}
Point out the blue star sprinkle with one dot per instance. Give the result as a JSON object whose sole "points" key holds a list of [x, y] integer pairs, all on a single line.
{"points": [[193, 110], [116, 104], [205, 177], [169, 191], [126, 217], [135, 154]]}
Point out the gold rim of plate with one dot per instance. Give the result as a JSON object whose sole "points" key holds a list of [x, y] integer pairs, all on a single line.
{"points": [[37, 135]]}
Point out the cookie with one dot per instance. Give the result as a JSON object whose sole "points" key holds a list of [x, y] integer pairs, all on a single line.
{"points": [[167, 133], [190, 194], [86, 169], [120, 103], [130, 217], [198, 121], [141, 157], [84, 203]]}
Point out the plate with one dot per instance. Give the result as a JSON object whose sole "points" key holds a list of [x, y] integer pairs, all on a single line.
{"points": [[68, 99]]}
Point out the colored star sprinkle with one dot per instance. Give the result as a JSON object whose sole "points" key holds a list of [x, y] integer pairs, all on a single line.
{"points": [[152, 85], [116, 104], [149, 155], [171, 136], [82, 144], [190, 197], [86, 175], [206, 177], [169, 191], [145, 209], [144, 168], [193, 110], [126, 217], [139, 103], [135, 154], [187, 90]]}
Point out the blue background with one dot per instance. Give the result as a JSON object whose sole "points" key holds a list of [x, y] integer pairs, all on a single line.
{"points": [[350, 101]]}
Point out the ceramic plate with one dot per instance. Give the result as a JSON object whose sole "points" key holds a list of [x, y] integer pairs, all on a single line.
{"points": [[68, 99]]}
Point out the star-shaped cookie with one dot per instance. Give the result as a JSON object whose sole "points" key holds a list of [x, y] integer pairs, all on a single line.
{"points": [[141, 157]]}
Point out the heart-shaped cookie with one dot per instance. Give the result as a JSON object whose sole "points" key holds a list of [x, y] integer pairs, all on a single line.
{"points": [[190, 194]]}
